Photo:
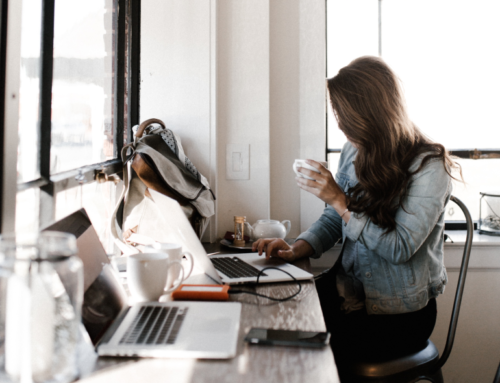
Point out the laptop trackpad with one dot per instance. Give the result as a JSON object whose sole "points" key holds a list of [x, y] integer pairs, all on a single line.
{"points": [[263, 262], [219, 325]]}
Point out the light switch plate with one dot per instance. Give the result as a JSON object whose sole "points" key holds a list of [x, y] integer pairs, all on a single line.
{"points": [[237, 162]]}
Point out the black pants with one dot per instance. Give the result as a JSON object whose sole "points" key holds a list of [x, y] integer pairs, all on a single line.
{"points": [[359, 335]]}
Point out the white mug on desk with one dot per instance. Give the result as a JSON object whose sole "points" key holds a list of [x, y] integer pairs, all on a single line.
{"points": [[175, 253], [148, 275]]}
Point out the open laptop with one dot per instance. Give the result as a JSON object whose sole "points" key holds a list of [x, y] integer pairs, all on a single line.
{"points": [[155, 329], [228, 269]]}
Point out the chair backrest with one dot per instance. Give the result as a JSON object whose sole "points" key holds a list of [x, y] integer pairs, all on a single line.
{"points": [[460, 287], [497, 376]]}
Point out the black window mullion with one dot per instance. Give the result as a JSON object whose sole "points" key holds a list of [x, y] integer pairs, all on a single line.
{"points": [[45, 102], [329, 150], [380, 28], [476, 154], [47, 203], [66, 180], [135, 66], [119, 96], [47, 184], [3, 63], [327, 97]]}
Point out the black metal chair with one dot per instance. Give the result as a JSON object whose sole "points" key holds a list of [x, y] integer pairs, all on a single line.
{"points": [[425, 363], [497, 376]]}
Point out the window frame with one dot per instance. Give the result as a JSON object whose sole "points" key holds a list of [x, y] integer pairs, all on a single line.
{"points": [[126, 91], [469, 153], [3, 64]]}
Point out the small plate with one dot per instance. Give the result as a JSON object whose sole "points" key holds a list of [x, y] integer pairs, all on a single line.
{"points": [[246, 246]]}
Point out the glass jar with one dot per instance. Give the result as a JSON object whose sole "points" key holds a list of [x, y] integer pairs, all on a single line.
{"points": [[239, 230], [489, 213], [41, 293]]}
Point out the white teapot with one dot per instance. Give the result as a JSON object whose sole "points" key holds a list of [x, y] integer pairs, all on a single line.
{"points": [[268, 228]]}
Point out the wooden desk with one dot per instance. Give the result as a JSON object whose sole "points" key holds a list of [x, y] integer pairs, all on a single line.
{"points": [[253, 364]]}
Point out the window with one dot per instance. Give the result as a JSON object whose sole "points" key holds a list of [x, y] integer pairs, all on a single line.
{"points": [[29, 95], [78, 98], [82, 86], [446, 54]]}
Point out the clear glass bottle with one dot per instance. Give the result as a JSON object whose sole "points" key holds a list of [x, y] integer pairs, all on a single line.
{"points": [[489, 213], [41, 293]]}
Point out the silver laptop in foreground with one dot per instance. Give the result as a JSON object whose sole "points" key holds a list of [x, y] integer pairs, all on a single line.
{"points": [[176, 329], [205, 330], [228, 269]]}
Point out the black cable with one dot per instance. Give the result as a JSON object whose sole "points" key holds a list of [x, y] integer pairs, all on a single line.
{"points": [[231, 291]]}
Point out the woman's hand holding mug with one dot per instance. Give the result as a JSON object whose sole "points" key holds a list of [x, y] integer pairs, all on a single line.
{"points": [[321, 183]]}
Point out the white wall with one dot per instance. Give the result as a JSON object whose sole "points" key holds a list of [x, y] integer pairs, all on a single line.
{"points": [[297, 105], [176, 74], [285, 110], [266, 90], [312, 98], [243, 107], [175, 71]]}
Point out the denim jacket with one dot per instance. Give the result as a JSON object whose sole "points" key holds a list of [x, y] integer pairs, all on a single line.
{"points": [[402, 270]]}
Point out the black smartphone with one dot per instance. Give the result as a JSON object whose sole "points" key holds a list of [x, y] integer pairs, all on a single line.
{"points": [[288, 338]]}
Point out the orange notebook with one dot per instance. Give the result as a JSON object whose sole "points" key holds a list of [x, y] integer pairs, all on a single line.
{"points": [[201, 293]]}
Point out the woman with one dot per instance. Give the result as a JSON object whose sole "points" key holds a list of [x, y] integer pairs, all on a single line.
{"points": [[387, 203]]}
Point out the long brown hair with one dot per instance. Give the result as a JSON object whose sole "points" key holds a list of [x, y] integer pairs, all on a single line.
{"points": [[370, 109]]}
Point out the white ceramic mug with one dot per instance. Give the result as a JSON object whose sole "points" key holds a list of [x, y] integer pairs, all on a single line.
{"points": [[303, 164], [175, 253], [148, 275]]}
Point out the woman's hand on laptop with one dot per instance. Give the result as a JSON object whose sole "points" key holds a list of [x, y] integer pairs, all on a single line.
{"points": [[277, 247]]}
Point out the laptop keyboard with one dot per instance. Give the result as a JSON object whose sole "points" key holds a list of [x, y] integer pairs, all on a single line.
{"points": [[155, 325], [235, 267]]}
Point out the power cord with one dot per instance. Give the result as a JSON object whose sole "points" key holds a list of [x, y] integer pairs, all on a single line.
{"points": [[231, 291]]}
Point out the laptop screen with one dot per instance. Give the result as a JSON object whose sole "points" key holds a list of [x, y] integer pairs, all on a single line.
{"points": [[104, 296]]}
